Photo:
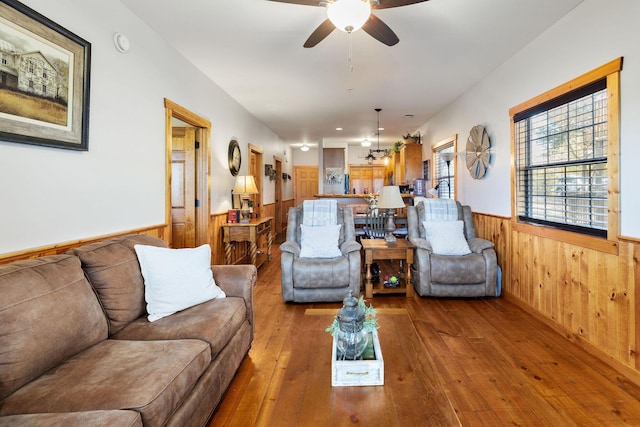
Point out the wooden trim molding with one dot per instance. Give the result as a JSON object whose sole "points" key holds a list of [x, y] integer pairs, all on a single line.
{"points": [[159, 231]]}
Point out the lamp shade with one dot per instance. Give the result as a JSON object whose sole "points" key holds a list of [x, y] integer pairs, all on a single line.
{"points": [[390, 198], [348, 15], [245, 184], [447, 156]]}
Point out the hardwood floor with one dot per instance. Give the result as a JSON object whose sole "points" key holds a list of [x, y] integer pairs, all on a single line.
{"points": [[497, 366]]}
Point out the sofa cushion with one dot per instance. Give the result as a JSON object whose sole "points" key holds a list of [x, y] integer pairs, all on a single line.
{"points": [[313, 273], [150, 377], [215, 322], [113, 271], [176, 279], [48, 313], [75, 419]]}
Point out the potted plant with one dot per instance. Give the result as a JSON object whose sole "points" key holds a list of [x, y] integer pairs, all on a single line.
{"points": [[412, 139]]}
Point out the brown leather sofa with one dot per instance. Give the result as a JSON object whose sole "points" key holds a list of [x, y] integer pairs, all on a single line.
{"points": [[77, 350]]}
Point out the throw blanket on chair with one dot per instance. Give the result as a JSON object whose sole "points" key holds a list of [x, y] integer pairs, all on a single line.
{"points": [[440, 210], [319, 212]]}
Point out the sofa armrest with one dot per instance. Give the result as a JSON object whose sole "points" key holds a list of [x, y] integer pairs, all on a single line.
{"points": [[421, 243], [477, 245], [237, 281], [291, 247], [349, 246]]}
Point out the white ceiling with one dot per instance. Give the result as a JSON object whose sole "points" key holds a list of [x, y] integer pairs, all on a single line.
{"points": [[253, 50]]}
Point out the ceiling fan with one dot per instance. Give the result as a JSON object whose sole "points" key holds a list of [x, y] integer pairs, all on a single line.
{"points": [[351, 15]]}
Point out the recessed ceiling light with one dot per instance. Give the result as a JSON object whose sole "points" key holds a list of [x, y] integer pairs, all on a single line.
{"points": [[380, 128], [338, 128]]}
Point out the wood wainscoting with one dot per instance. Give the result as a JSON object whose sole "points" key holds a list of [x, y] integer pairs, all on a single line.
{"points": [[160, 231], [587, 295]]}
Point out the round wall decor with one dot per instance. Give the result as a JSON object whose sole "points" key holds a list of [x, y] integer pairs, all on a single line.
{"points": [[235, 157], [478, 152]]}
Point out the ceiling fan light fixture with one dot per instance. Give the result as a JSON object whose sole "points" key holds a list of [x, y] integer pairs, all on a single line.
{"points": [[366, 143], [349, 15], [304, 147]]}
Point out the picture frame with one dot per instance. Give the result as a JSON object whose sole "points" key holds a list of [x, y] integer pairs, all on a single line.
{"points": [[44, 80]]}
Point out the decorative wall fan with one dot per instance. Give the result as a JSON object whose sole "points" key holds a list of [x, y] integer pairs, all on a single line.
{"points": [[478, 152], [351, 15]]}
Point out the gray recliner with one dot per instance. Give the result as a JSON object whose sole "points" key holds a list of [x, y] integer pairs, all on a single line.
{"points": [[320, 279], [471, 275]]}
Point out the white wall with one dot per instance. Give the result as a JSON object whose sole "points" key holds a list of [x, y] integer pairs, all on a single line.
{"points": [[593, 34], [51, 195]]}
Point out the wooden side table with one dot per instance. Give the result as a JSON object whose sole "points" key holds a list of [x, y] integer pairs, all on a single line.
{"points": [[378, 249], [254, 232]]}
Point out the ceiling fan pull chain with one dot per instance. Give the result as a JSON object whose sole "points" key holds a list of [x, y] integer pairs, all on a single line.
{"points": [[350, 53]]}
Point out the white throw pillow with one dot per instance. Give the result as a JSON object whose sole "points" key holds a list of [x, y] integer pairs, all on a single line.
{"points": [[446, 237], [320, 242], [176, 279]]}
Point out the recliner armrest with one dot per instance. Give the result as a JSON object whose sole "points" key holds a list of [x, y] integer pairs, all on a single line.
{"points": [[349, 246], [421, 243], [291, 247], [478, 245]]}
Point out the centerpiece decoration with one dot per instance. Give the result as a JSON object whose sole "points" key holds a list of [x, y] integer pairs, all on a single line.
{"points": [[372, 200], [352, 327]]}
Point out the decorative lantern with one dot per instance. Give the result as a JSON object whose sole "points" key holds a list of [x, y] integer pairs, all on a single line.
{"points": [[352, 338]]}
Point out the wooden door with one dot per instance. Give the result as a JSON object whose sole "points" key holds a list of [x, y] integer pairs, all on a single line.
{"points": [[279, 218], [183, 187], [255, 169], [305, 183]]}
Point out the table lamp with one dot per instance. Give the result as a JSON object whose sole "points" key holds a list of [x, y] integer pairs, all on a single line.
{"points": [[245, 185], [390, 199]]}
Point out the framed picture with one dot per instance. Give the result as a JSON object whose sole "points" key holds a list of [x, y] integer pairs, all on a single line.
{"points": [[426, 173], [44, 80]]}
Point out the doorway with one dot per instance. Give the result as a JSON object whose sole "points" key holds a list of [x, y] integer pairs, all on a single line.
{"points": [[279, 221], [305, 183], [187, 203], [255, 169]]}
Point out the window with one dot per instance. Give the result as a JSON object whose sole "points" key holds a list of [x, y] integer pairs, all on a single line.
{"points": [[4, 59], [562, 149], [444, 168], [44, 89], [30, 66], [44, 74]]}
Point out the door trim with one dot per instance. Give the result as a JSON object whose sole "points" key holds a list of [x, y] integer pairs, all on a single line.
{"points": [[202, 165]]}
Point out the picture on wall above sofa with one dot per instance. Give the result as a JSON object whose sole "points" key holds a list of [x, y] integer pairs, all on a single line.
{"points": [[44, 80]]}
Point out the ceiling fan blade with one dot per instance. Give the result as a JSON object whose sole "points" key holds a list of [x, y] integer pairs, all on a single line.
{"points": [[380, 31], [320, 33], [388, 4], [302, 2]]}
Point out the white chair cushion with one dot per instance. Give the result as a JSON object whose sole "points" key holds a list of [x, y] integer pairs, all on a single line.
{"points": [[446, 237], [320, 242]]}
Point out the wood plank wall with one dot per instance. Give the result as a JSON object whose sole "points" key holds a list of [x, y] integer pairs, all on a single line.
{"points": [[160, 231], [588, 296]]}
